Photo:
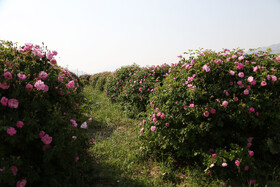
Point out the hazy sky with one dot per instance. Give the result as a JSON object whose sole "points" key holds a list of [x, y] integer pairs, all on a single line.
{"points": [[100, 35]]}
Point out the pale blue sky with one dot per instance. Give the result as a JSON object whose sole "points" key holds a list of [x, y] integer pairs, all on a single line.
{"points": [[100, 35]]}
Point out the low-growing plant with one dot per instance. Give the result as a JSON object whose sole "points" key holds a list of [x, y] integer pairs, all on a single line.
{"points": [[219, 110], [43, 134]]}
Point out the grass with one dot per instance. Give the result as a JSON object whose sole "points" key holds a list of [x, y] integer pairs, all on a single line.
{"points": [[118, 160]]}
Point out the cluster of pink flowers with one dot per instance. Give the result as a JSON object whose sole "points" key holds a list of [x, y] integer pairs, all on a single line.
{"points": [[12, 103]]}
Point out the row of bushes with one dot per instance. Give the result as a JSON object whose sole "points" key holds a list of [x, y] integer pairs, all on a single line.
{"points": [[218, 110], [43, 134]]}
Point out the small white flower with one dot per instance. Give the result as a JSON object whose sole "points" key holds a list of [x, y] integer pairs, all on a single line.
{"points": [[212, 165], [84, 125]]}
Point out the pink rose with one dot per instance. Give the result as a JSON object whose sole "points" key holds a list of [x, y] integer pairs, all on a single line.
{"points": [[214, 156], [241, 74], [263, 83], [153, 128], [49, 55], [206, 68], [21, 183], [253, 82], [53, 61], [278, 59], [167, 124], [246, 92], [46, 139], [92, 140], [274, 78], [70, 84], [4, 86], [8, 75], [251, 153], [225, 104], [233, 56], [46, 88], [237, 163], [250, 79], [162, 116], [14, 170], [142, 130], [252, 109], [235, 99], [41, 134], [60, 78], [13, 103], [206, 114], [224, 164], [43, 75], [246, 168], [54, 53], [21, 76], [19, 124], [212, 111], [39, 85], [239, 83], [11, 131], [241, 58], [4, 101], [29, 87]]}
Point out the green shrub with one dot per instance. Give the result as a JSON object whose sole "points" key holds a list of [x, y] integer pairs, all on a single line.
{"points": [[219, 110], [118, 80], [102, 80], [85, 79], [136, 91], [41, 107]]}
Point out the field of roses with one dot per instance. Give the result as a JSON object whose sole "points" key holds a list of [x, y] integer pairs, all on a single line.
{"points": [[216, 110], [43, 126]]}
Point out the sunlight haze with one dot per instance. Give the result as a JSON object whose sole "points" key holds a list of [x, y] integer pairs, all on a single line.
{"points": [[103, 35]]}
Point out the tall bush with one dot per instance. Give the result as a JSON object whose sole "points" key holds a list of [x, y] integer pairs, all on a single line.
{"points": [[219, 110], [42, 123]]}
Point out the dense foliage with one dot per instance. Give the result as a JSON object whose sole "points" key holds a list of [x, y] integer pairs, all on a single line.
{"points": [[42, 123], [219, 110]]}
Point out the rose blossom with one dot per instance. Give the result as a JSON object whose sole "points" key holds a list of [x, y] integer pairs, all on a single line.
{"points": [[153, 128], [13, 103], [241, 74], [43, 75], [206, 68], [4, 101], [251, 153], [21, 76], [70, 84], [14, 170], [39, 85], [21, 183], [46, 139], [224, 164], [19, 124], [263, 83], [11, 131], [29, 87], [225, 104], [231, 72], [8, 75], [237, 163]]}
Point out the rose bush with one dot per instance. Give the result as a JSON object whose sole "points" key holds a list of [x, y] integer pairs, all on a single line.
{"points": [[136, 91], [41, 112], [219, 110]]}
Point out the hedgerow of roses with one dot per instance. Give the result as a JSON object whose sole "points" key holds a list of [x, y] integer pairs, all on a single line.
{"points": [[215, 101], [42, 123], [118, 80], [136, 91]]}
